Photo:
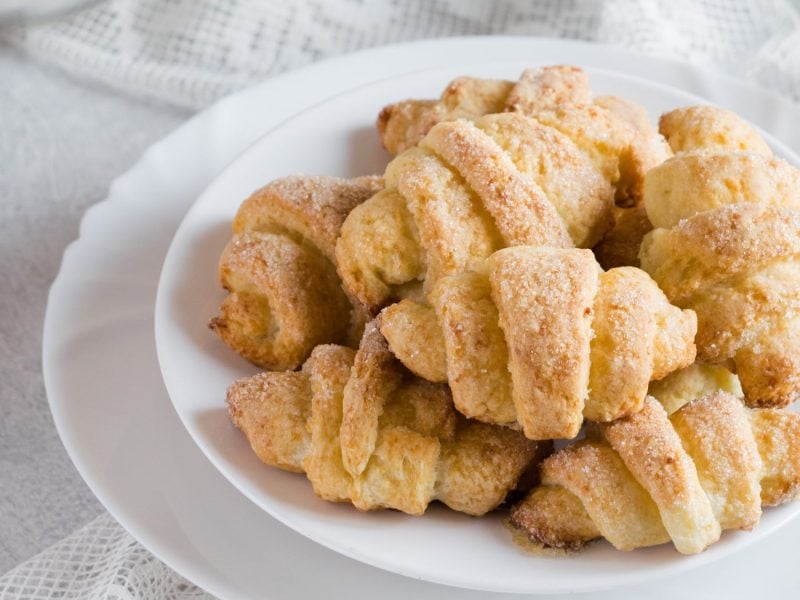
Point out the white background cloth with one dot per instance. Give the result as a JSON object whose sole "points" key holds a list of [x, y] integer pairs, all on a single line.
{"points": [[193, 51], [186, 53]]}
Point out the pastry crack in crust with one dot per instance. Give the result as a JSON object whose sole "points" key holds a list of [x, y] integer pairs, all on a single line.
{"points": [[366, 431], [284, 294], [726, 243], [543, 338], [650, 479]]}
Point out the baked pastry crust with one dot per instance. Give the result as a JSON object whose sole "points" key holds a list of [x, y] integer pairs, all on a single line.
{"points": [[470, 188], [710, 128], [615, 133], [726, 244], [542, 337], [694, 128], [284, 294], [366, 431], [650, 479], [701, 180]]}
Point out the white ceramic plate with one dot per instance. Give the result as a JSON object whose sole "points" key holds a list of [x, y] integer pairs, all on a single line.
{"points": [[114, 416], [338, 137]]}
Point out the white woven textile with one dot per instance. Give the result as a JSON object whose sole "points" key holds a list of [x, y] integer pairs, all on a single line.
{"points": [[190, 52], [100, 561]]}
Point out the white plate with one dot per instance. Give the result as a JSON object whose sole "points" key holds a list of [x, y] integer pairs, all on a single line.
{"points": [[102, 378], [338, 137]]}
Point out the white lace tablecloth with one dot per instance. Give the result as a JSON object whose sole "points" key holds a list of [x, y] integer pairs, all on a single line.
{"points": [[188, 53], [191, 52]]}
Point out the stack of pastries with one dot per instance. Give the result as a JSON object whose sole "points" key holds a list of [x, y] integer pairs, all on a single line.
{"points": [[537, 263]]}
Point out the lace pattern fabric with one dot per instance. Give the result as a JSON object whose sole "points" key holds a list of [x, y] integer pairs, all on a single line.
{"points": [[100, 561], [191, 52]]}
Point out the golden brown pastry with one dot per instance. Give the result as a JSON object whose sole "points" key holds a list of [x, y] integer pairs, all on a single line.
{"points": [[543, 337], [722, 160], [616, 134], [470, 188], [710, 128], [285, 296], [648, 479], [726, 244], [366, 431], [693, 128]]}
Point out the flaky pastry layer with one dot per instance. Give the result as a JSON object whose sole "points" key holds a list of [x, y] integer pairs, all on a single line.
{"points": [[614, 133], [650, 479], [468, 189], [727, 244], [544, 338], [366, 431], [284, 294]]}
